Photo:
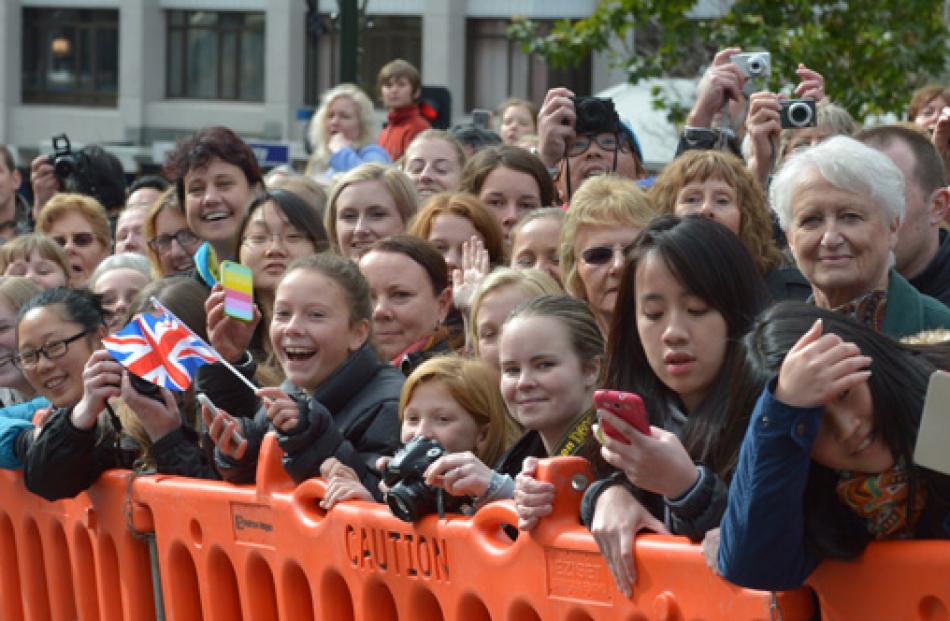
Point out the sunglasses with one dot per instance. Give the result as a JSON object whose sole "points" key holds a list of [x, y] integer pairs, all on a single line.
{"points": [[80, 240], [601, 255]]}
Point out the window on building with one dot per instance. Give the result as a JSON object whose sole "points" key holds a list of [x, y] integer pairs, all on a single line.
{"points": [[215, 55], [382, 38], [70, 56], [496, 68]]}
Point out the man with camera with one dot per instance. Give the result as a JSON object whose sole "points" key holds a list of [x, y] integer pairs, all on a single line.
{"points": [[92, 171], [14, 210], [581, 137]]}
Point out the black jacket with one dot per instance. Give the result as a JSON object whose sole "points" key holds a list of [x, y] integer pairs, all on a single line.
{"points": [[353, 416], [63, 461], [935, 279]]}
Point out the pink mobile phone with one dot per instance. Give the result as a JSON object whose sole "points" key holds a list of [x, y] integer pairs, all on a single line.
{"points": [[627, 406]]}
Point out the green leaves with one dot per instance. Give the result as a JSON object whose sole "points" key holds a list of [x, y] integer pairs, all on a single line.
{"points": [[872, 53]]}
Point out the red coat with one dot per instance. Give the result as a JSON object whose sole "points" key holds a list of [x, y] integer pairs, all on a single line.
{"points": [[403, 125]]}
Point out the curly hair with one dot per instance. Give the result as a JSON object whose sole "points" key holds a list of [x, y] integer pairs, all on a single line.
{"points": [[755, 225], [319, 136]]}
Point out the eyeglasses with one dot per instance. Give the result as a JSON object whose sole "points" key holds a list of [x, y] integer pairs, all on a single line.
{"points": [[80, 240], [607, 142], [54, 350], [163, 243], [262, 239], [601, 255]]}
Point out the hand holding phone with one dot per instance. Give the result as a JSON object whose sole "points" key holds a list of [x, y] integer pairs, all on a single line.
{"points": [[626, 405], [238, 283], [218, 423]]}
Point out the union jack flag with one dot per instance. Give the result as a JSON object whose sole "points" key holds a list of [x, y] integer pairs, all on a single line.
{"points": [[161, 350]]}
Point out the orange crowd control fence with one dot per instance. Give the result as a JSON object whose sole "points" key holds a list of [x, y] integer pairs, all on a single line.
{"points": [[907, 580], [269, 552], [72, 559]]}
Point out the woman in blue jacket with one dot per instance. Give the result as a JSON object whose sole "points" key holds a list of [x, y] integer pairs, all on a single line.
{"points": [[826, 463]]}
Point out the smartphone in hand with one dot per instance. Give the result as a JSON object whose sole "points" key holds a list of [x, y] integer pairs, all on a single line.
{"points": [[238, 283], [625, 405]]}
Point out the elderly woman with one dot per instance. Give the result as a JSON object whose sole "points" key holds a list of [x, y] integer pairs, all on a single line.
{"points": [[342, 135], [80, 225], [840, 204], [605, 217]]}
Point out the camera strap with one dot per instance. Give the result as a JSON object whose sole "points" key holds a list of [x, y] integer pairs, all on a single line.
{"points": [[577, 436]]}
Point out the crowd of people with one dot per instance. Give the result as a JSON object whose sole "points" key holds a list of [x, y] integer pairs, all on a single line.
{"points": [[776, 297]]}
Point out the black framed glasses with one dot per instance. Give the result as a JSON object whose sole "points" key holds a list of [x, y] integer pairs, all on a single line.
{"points": [[53, 350], [80, 240], [163, 243], [601, 255], [606, 141]]}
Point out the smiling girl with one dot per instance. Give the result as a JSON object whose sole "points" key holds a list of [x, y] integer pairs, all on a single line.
{"points": [[826, 465], [339, 400], [456, 402], [369, 203]]}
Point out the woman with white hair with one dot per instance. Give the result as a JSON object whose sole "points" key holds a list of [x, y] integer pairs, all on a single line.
{"points": [[841, 204], [341, 133]]}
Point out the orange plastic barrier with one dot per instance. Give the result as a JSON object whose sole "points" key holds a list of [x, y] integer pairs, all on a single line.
{"points": [[269, 552], [905, 580], [72, 559]]}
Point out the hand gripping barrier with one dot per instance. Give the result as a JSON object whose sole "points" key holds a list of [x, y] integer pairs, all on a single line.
{"points": [[905, 580], [72, 559], [269, 552]]}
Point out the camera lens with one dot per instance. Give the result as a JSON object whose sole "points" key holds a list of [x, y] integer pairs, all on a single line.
{"points": [[799, 114], [755, 66]]}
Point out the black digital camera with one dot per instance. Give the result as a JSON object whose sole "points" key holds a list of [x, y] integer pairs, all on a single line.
{"points": [[595, 115], [409, 497], [146, 388], [64, 162], [798, 113]]}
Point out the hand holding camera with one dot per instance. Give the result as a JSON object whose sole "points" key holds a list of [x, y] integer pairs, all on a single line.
{"points": [[408, 496], [155, 406], [555, 125], [460, 474], [723, 81], [763, 126]]}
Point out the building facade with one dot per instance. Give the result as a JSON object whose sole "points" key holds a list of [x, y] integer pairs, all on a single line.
{"points": [[132, 74]]}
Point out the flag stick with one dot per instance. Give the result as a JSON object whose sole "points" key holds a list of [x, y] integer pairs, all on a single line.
{"points": [[221, 359]]}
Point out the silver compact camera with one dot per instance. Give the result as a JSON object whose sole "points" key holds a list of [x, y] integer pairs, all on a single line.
{"points": [[798, 113], [754, 64]]}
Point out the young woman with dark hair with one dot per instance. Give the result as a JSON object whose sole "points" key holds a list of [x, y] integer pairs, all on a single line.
{"points": [[509, 180], [826, 465], [59, 335], [693, 290]]}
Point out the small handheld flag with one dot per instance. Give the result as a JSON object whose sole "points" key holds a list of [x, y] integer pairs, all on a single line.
{"points": [[160, 349]]}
